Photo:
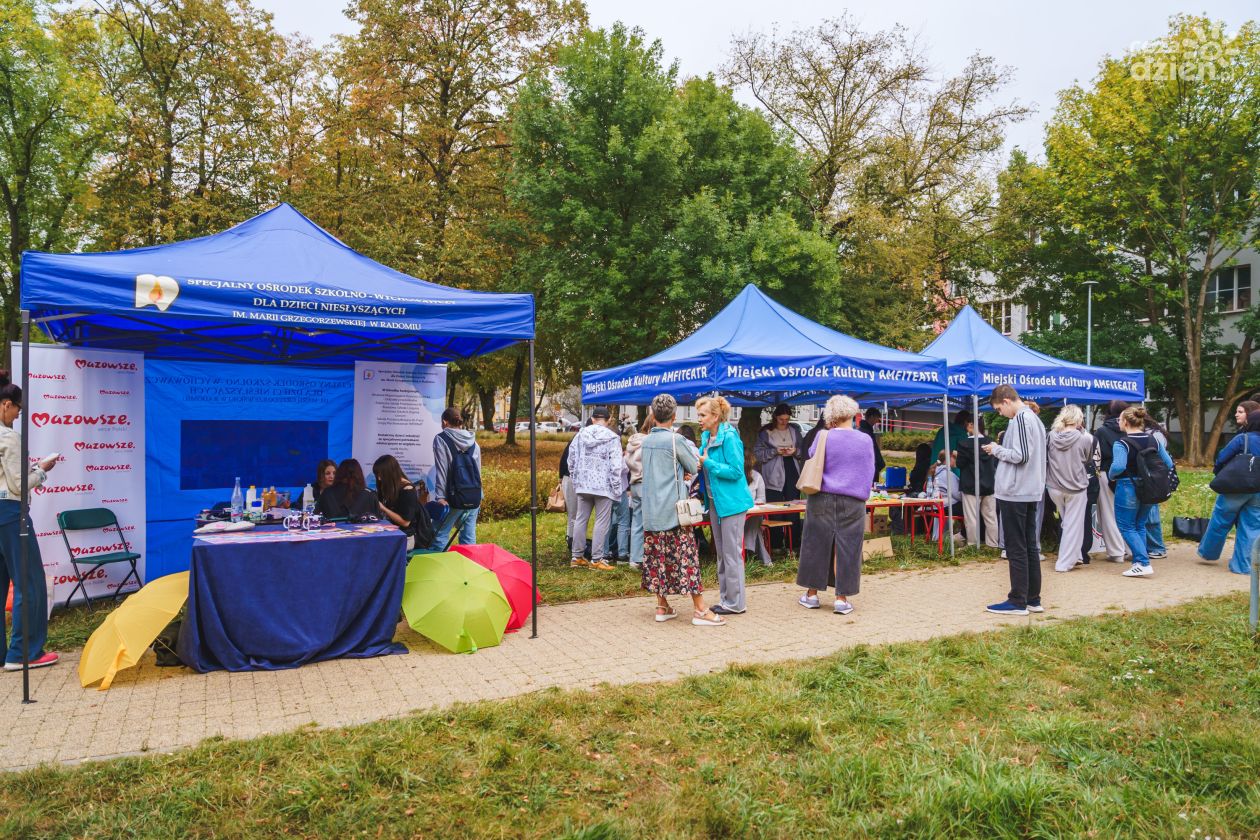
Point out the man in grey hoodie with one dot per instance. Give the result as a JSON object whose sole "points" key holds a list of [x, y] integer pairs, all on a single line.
{"points": [[454, 438], [1019, 484], [1067, 481]]}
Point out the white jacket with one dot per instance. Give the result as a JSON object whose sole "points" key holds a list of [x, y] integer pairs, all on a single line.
{"points": [[11, 463], [596, 464]]}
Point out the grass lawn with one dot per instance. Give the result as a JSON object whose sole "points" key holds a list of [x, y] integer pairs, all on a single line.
{"points": [[1130, 726]]}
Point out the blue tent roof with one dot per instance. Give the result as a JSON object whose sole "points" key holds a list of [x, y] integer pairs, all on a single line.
{"points": [[980, 357], [757, 353], [275, 288]]}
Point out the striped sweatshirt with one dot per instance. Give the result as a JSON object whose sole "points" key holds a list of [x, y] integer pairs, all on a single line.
{"points": [[1021, 456]]}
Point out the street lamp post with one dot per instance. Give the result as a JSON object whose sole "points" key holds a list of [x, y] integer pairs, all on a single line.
{"points": [[1089, 332]]}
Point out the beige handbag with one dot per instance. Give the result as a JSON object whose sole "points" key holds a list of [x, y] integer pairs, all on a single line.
{"points": [[555, 501], [690, 511], [811, 478]]}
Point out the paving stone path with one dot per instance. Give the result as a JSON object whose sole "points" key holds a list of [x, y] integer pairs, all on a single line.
{"points": [[580, 645]]}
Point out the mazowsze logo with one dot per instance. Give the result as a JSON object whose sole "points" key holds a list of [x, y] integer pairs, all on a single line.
{"points": [[65, 488], [80, 445], [60, 377], [155, 290], [61, 396], [114, 501], [106, 392], [43, 418], [109, 467], [95, 364]]}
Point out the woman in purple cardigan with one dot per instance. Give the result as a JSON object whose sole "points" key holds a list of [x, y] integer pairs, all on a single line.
{"points": [[831, 545]]}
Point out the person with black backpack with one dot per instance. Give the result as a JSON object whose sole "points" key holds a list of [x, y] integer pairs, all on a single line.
{"points": [[400, 502], [1141, 474], [457, 476]]}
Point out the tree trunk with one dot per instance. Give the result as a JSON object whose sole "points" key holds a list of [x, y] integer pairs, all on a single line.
{"points": [[1231, 391], [518, 376], [486, 397], [749, 427]]}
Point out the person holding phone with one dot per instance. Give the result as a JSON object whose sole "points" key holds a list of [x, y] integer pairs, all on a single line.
{"points": [[780, 453], [29, 585]]}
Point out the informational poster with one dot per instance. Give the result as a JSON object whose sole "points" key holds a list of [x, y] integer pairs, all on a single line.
{"points": [[87, 405], [398, 411]]}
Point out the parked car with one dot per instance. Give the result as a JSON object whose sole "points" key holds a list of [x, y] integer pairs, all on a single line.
{"points": [[548, 427]]}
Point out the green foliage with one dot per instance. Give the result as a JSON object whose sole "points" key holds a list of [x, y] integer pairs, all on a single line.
{"points": [[904, 441], [647, 198]]}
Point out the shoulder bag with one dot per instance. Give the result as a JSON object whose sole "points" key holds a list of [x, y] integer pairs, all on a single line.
{"points": [[690, 511], [811, 478], [555, 500], [1241, 474]]}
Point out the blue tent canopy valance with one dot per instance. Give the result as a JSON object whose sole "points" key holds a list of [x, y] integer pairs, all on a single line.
{"points": [[276, 288], [980, 358], [757, 352]]}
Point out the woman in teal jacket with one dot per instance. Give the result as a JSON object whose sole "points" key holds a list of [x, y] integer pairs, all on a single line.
{"points": [[722, 459]]}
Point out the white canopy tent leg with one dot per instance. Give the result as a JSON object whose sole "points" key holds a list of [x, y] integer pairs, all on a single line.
{"points": [[948, 509]]}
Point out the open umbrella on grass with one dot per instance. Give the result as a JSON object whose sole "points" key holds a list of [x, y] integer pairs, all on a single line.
{"points": [[514, 575], [127, 632], [455, 602]]}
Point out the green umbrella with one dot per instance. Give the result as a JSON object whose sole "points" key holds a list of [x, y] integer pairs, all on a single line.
{"points": [[455, 602]]}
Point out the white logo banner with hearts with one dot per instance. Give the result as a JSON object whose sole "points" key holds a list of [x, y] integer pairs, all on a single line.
{"points": [[88, 406]]}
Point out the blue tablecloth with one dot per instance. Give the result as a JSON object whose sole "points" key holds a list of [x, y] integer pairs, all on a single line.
{"points": [[267, 600]]}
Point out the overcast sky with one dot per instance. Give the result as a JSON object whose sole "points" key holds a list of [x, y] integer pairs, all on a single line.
{"points": [[1049, 45]]}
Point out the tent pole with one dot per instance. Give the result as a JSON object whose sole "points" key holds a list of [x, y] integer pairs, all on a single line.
{"points": [[24, 533], [974, 539], [533, 496], [946, 505]]}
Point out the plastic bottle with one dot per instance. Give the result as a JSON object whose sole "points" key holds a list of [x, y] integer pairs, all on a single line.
{"points": [[252, 502], [308, 499], [269, 498], [238, 502], [931, 485]]}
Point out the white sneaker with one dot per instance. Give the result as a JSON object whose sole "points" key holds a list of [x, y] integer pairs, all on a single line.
{"points": [[1137, 570]]}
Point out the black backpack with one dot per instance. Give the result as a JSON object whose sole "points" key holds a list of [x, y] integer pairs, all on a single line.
{"points": [[463, 479], [421, 526], [1152, 480]]}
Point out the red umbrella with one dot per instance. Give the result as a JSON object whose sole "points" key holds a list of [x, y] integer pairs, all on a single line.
{"points": [[513, 574]]}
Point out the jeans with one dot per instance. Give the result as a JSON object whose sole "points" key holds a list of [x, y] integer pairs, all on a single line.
{"points": [[11, 569], [1154, 533], [467, 531], [600, 507], [1234, 509], [619, 531], [636, 524], [1019, 526], [1131, 516]]}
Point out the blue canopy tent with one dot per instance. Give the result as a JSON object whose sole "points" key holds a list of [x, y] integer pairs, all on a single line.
{"points": [[759, 352], [274, 289], [980, 358]]}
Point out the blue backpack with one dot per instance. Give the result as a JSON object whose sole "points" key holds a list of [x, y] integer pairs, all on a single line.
{"points": [[463, 479]]}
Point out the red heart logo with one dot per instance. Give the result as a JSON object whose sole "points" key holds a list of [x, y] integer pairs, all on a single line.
{"points": [[79, 445], [40, 418], [80, 363]]}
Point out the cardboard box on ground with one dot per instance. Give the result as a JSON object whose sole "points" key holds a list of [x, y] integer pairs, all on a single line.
{"points": [[878, 542]]}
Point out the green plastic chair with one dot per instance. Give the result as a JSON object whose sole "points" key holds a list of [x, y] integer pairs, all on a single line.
{"points": [[454, 518], [96, 519]]}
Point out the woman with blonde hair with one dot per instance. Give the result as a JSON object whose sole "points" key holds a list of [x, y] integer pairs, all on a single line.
{"points": [[726, 489], [831, 544], [1068, 449]]}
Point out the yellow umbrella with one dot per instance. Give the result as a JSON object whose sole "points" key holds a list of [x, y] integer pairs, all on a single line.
{"points": [[127, 632]]}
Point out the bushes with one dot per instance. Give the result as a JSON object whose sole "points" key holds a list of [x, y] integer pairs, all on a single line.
{"points": [[505, 493], [904, 441]]}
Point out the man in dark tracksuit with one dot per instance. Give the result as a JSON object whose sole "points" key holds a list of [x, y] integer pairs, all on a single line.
{"points": [[1019, 484]]}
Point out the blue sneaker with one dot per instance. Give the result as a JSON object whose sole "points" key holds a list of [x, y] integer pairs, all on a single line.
{"points": [[1006, 608], [1034, 606], [809, 602]]}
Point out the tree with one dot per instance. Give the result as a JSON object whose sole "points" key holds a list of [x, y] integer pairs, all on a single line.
{"points": [[898, 161], [52, 124], [196, 148], [652, 205], [1150, 186]]}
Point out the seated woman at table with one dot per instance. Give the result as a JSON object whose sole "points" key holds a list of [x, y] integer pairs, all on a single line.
{"points": [[752, 525], [325, 475], [921, 470], [348, 497], [400, 504]]}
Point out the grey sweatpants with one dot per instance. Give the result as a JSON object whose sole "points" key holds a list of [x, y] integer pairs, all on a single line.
{"points": [[1071, 507], [728, 544], [1105, 510], [602, 507]]}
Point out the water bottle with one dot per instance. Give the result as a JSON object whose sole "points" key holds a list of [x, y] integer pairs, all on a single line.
{"points": [[238, 502], [931, 485], [308, 500]]}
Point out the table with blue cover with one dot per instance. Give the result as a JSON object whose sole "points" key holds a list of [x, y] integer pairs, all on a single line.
{"points": [[269, 599]]}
